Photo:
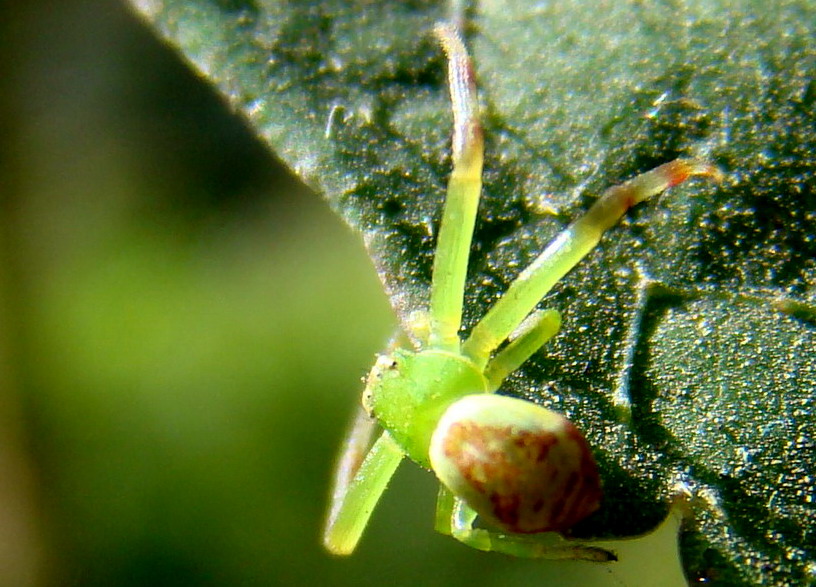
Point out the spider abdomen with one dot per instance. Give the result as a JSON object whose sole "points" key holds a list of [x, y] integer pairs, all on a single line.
{"points": [[522, 467]]}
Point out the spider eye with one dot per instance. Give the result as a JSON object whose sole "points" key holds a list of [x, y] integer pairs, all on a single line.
{"points": [[520, 466]]}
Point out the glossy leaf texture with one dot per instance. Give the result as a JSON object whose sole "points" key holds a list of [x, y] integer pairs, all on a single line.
{"points": [[688, 352]]}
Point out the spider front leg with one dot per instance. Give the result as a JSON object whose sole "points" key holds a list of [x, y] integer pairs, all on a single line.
{"points": [[362, 474], [461, 201], [569, 247]]}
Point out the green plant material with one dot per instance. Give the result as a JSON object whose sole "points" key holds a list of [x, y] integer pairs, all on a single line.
{"points": [[686, 355]]}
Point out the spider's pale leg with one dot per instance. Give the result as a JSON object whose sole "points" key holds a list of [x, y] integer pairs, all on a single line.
{"points": [[358, 489], [537, 329], [355, 445], [445, 504], [547, 546], [462, 201], [568, 248]]}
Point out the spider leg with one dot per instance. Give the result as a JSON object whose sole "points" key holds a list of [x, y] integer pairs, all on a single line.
{"points": [[569, 247], [455, 518], [462, 201], [534, 332], [359, 483]]}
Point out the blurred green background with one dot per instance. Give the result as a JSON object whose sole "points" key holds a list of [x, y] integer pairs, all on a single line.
{"points": [[184, 329]]}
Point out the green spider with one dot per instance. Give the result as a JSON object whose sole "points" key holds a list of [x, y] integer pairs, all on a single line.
{"points": [[525, 471]]}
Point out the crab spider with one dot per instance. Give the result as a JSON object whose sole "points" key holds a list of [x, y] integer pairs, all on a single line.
{"points": [[523, 470]]}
